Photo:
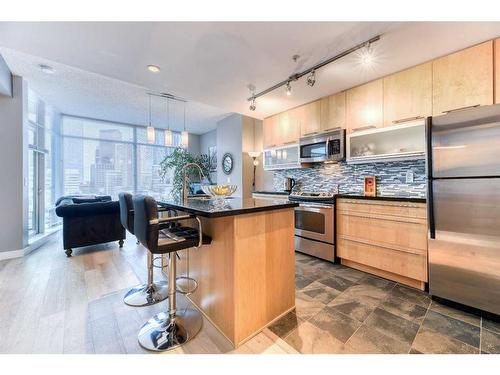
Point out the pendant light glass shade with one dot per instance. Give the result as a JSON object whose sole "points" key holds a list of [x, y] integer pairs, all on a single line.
{"points": [[184, 138], [184, 134], [150, 131], [169, 139]]}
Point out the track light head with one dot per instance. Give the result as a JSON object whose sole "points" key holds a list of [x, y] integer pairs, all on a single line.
{"points": [[288, 89], [311, 78], [253, 105]]}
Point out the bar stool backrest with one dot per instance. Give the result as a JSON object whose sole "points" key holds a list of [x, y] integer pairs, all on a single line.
{"points": [[145, 210], [126, 211]]}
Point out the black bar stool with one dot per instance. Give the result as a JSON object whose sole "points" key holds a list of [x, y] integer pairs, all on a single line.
{"points": [[170, 329], [153, 291]]}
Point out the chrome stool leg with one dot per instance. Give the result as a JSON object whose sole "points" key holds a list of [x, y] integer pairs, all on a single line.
{"points": [[147, 294], [186, 285], [168, 330]]}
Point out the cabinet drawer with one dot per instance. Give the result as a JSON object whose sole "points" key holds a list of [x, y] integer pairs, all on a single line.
{"points": [[409, 265], [410, 234], [401, 209]]}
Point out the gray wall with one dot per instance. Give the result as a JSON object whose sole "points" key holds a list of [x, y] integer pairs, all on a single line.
{"points": [[5, 79], [229, 139], [13, 176]]}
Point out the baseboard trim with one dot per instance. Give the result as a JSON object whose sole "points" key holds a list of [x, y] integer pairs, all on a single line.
{"points": [[4, 255]]}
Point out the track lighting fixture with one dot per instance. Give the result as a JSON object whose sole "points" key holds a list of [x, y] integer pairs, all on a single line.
{"points": [[311, 78], [252, 105], [367, 59]]}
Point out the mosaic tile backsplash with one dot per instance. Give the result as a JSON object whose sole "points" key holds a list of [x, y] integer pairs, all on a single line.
{"points": [[391, 178]]}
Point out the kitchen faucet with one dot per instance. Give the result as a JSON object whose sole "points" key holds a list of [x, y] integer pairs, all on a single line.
{"points": [[185, 179]]}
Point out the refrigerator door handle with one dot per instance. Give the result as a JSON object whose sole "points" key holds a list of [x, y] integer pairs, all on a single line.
{"points": [[430, 195]]}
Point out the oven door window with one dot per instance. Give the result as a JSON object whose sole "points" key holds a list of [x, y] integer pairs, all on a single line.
{"points": [[310, 221], [315, 150]]}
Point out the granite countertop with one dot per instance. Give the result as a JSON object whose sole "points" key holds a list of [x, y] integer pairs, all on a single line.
{"points": [[231, 206], [383, 198], [284, 193]]}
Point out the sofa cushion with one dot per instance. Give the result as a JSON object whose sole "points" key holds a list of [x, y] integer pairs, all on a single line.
{"points": [[88, 209]]}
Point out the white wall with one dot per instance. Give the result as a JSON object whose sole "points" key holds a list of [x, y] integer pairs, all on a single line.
{"points": [[13, 174]]}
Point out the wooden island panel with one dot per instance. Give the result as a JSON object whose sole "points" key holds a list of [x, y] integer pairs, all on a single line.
{"points": [[246, 276]]}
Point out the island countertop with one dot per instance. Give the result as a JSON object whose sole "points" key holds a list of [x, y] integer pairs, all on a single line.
{"points": [[231, 206]]}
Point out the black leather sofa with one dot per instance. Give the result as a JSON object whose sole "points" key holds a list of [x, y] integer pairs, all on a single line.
{"points": [[89, 220]]}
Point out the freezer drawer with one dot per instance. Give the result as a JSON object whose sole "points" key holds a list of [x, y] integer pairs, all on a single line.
{"points": [[466, 144], [464, 253]]}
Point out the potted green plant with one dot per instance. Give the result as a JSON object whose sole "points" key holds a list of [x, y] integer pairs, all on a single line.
{"points": [[173, 164]]}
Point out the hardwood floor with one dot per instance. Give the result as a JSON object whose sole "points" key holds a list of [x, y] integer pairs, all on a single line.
{"points": [[53, 304]]}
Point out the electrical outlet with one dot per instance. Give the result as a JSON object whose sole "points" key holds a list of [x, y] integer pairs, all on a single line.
{"points": [[409, 177]]}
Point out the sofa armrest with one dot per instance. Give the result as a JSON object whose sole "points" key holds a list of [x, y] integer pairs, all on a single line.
{"points": [[87, 209]]}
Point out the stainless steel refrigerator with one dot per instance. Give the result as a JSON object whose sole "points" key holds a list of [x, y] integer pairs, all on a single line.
{"points": [[464, 207]]}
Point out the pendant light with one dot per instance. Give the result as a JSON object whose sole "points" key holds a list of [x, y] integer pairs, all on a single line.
{"points": [[184, 134], [150, 131], [169, 141]]}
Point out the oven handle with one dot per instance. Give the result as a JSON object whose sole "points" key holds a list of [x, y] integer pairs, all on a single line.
{"points": [[315, 205]]}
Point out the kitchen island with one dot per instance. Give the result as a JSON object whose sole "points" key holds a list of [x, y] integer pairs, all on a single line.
{"points": [[246, 276]]}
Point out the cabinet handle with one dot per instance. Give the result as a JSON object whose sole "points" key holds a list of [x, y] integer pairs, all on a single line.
{"points": [[461, 108], [363, 128], [311, 133], [407, 119], [289, 142], [333, 128]]}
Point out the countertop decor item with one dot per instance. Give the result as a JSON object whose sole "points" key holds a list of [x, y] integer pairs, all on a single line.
{"points": [[227, 163], [370, 186], [219, 191], [171, 169]]}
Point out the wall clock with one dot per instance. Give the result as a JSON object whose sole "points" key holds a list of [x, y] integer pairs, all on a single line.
{"points": [[227, 163]]}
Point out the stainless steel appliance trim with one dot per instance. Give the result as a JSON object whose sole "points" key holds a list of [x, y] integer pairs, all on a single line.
{"points": [[328, 211], [315, 248], [327, 137]]}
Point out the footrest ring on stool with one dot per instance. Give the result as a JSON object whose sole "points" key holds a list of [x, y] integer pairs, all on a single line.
{"points": [[186, 285]]}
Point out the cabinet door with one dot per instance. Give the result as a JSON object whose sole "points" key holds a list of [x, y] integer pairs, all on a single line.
{"points": [[269, 130], [463, 79], [333, 112], [408, 95], [497, 71], [364, 106], [291, 125], [310, 118]]}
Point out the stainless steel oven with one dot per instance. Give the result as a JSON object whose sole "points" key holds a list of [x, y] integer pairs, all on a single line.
{"points": [[323, 147], [314, 229]]}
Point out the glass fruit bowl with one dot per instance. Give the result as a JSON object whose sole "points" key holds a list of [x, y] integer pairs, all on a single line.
{"points": [[219, 191]]}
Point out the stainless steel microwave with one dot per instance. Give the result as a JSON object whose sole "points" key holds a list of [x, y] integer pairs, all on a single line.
{"points": [[323, 147]]}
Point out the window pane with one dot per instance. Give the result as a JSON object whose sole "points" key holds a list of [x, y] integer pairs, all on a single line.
{"points": [[97, 129], [97, 167], [148, 177]]}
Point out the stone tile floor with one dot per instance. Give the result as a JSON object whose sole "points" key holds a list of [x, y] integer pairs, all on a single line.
{"points": [[342, 310]]}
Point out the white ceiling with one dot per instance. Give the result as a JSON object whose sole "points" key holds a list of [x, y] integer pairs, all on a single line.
{"points": [[103, 72]]}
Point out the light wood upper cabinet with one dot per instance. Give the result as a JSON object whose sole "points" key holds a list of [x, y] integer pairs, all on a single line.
{"points": [[463, 79], [269, 131], [309, 115], [333, 111], [408, 95], [289, 127], [497, 71], [364, 106]]}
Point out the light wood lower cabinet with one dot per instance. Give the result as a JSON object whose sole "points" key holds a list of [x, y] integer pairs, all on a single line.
{"points": [[388, 239]]}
